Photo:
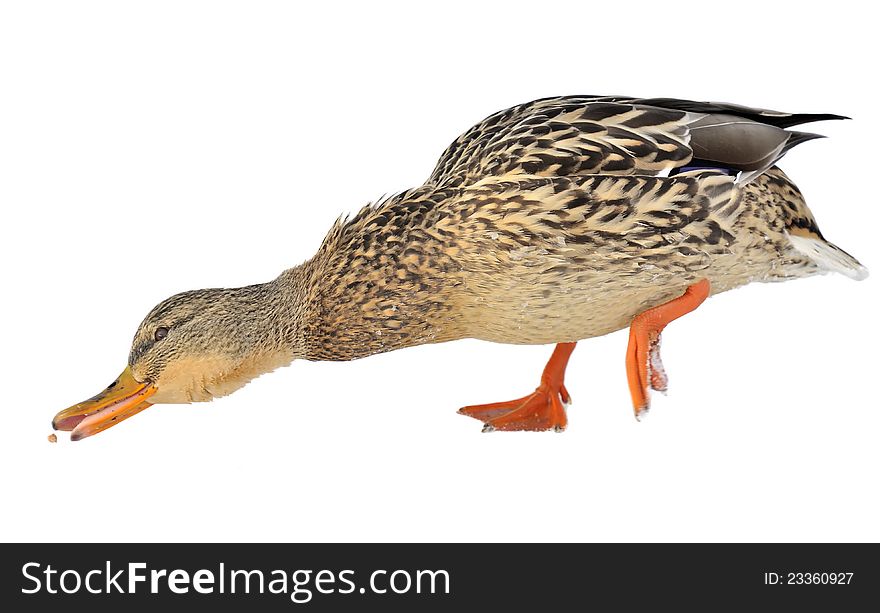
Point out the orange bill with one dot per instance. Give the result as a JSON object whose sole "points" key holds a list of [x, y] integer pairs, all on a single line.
{"points": [[122, 399]]}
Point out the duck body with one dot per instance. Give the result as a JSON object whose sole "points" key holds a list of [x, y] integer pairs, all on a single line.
{"points": [[549, 222], [502, 247]]}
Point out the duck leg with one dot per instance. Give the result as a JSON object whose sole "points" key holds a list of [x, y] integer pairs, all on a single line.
{"points": [[543, 409], [643, 366]]}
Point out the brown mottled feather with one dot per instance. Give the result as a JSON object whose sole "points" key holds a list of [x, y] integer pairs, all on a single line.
{"points": [[567, 136]]}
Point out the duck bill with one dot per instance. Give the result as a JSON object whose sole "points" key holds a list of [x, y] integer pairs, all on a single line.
{"points": [[123, 398]]}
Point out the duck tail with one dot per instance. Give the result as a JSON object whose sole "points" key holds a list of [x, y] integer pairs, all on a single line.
{"points": [[827, 256], [802, 231]]}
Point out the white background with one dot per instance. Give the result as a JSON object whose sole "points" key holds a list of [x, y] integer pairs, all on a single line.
{"points": [[149, 148]]}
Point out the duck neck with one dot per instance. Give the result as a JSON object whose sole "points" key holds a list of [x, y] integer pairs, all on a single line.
{"points": [[284, 314], [328, 310]]}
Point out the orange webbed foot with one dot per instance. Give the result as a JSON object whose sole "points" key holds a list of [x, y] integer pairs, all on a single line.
{"points": [[543, 409], [644, 369]]}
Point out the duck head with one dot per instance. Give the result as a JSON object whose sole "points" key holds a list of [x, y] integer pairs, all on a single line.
{"points": [[192, 347]]}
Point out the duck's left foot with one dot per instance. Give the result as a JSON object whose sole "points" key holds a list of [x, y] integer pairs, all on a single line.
{"points": [[644, 369], [541, 410]]}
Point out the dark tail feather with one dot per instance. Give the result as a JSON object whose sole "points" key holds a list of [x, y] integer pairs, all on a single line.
{"points": [[773, 118], [801, 118], [797, 138]]}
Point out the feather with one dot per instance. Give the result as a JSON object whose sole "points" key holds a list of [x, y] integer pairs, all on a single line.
{"points": [[584, 135], [828, 256]]}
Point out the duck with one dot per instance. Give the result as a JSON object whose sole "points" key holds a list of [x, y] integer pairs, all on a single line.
{"points": [[549, 222]]}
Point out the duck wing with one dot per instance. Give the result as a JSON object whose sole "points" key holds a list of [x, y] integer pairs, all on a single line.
{"points": [[587, 135]]}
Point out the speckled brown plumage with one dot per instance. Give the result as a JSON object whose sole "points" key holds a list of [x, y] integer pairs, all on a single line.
{"points": [[544, 260], [553, 221]]}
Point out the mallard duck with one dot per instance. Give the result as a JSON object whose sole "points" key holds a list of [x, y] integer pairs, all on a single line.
{"points": [[550, 222]]}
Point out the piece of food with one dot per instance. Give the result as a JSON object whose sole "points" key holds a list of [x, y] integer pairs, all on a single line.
{"points": [[52, 438]]}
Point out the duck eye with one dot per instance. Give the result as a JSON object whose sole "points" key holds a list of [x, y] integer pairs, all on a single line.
{"points": [[161, 333]]}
